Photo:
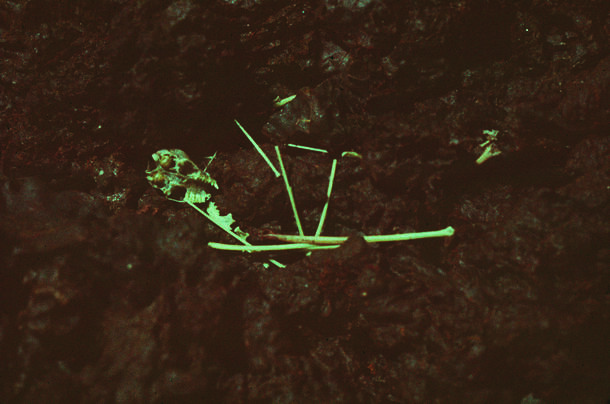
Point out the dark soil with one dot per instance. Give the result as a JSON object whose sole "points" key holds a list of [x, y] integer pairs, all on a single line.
{"points": [[108, 292]]}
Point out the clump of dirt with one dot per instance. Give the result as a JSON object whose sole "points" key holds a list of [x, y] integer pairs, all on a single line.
{"points": [[109, 293]]}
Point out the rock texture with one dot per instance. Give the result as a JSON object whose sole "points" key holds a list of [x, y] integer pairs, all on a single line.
{"points": [[109, 294]]}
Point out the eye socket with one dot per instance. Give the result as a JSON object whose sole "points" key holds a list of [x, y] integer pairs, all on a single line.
{"points": [[186, 168]]}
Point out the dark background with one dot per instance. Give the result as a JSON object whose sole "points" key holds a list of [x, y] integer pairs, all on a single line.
{"points": [[109, 294]]}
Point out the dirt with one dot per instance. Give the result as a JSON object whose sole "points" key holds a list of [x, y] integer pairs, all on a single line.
{"points": [[109, 293]]}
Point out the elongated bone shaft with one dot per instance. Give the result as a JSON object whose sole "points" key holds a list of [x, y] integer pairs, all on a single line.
{"points": [[331, 180], [326, 240], [289, 191], [272, 247], [258, 149]]}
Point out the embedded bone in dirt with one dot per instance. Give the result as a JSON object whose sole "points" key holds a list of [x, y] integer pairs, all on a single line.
{"points": [[179, 178]]}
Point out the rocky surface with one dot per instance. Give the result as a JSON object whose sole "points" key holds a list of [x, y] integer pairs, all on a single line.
{"points": [[109, 294]]}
